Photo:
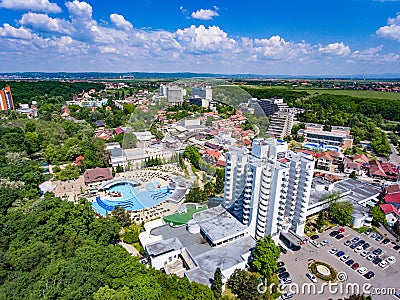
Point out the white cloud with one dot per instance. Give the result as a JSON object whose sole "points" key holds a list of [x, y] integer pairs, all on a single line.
{"points": [[392, 30], [7, 31], [200, 39], [120, 22], [79, 10], [43, 22], [205, 14], [31, 5], [339, 49]]}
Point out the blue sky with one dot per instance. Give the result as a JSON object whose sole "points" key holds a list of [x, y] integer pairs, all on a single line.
{"points": [[329, 37]]}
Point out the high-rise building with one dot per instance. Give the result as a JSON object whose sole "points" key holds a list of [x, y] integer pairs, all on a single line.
{"points": [[174, 95], [270, 106], [202, 92], [6, 100], [269, 188]]}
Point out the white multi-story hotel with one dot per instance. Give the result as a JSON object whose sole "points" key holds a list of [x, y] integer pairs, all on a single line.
{"points": [[269, 188]]}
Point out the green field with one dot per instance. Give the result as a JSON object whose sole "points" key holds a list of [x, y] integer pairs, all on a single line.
{"points": [[354, 93], [180, 219]]}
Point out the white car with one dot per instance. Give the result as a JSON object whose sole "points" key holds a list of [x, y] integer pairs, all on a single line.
{"points": [[333, 251], [364, 253], [362, 270], [311, 277], [383, 264], [344, 257], [391, 259], [359, 249], [370, 257], [324, 243], [315, 243], [287, 295]]}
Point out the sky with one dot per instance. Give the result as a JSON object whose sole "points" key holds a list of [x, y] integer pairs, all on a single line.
{"points": [[325, 37]]}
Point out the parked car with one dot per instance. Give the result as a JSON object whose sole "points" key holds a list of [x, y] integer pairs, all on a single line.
{"points": [[355, 266], [379, 238], [311, 277], [360, 243], [364, 253], [287, 295], [349, 262], [283, 250], [368, 231], [359, 249], [333, 233], [397, 294], [347, 243], [315, 243], [281, 270], [362, 270], [314, 237], [324, 243], [283, 275], [370, 257], [280, 264], [341, 230], [376, 260], [377, 251], [369, 274], [339, 253], [385, 241], [374, 235], [355, 239], [391, 259], [286, 280], [339, 236], [366, 246], [383, 264], [353, 246], [333, 251], [396, 247], [345, 257]]}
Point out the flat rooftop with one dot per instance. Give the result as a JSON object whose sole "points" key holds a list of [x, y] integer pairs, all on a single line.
{"points": [[354, 189], [224, 257], [217, 223], [193, 242], [163, 246]]}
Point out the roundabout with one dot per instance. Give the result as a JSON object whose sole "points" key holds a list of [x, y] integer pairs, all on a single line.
{"points": [[322, 270]]}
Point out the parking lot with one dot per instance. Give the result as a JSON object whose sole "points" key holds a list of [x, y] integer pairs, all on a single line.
{"points": [[384, 279]]}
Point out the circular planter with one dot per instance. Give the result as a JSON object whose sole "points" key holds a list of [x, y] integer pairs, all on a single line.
{"points": [[322, 270]]}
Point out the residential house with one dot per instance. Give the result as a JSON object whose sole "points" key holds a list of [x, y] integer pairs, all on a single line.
{"points": [[350, 166], [324, 162], [391, 213]]}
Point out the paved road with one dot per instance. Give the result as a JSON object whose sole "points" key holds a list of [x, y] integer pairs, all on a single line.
{"points": [[394, 157], [296, 264]]}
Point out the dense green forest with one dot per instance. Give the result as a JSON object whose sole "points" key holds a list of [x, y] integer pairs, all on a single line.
{"points": [[26, 91], [53, 249]]}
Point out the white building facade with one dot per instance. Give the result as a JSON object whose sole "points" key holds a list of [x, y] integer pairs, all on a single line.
{"points": [[269, 188]]}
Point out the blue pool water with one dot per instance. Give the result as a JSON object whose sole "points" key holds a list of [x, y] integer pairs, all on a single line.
{"points": [[132, 198], [313, 146]]}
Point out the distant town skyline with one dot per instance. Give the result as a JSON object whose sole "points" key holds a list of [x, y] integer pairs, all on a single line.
{"points": [[329, 37]]}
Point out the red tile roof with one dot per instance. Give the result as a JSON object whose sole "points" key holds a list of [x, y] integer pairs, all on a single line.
{"points": [[221, 163], [395, 188], [376, 169], [118, 131], [325, 154], [394, 197], [215, 154], [97, 174], [389, 208], [362, 158], [78, 160]]}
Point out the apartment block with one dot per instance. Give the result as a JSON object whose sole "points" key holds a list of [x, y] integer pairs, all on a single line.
{"points": [[269, 188], [280, 125]]}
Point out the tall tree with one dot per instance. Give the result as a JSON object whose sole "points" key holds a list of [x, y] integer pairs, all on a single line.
{"points": [[341, 212], [265, 257], [217, 283], [377, 215]]}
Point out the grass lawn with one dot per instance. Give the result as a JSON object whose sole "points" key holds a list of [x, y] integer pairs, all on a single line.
{"points": [[355, 93], [180, 219]]}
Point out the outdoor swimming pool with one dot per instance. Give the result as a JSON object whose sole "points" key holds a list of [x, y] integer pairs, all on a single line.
{"points": [[321, 147], [132, 198]]}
